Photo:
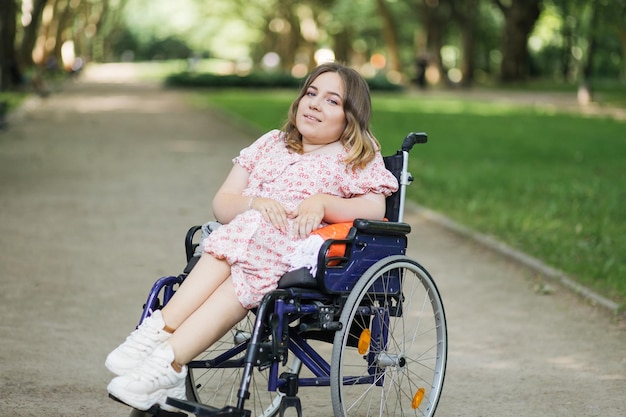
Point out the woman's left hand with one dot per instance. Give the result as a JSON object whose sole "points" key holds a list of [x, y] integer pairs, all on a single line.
{"points": [[308, 216]]}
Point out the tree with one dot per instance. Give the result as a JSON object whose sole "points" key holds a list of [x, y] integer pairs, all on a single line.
{"points": [[572, 37], [390, 34], [465, 15], [29, 35], [10, 75], [519, 19], [606, 22], [434, 15], [350, 25]]}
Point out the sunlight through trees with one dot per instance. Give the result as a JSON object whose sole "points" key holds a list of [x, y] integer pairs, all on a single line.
{"points": [[421, 41]]}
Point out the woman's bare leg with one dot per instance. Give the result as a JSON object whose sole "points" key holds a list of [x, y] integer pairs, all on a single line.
{"points": [[206, 276], [218, 314]]}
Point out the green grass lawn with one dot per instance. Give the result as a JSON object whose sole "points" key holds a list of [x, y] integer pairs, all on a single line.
{"points": [[552, 185]]}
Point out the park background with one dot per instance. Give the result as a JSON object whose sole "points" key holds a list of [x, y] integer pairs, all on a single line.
{"points": [[546, 176]]}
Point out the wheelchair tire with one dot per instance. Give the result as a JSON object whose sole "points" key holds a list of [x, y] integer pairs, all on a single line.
{"points": [[400, 373], [217, 386]]}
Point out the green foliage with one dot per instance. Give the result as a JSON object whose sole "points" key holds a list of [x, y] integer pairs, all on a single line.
{"points": [[561, 42], [256, 80], [170, 47], [226, 28], [380, 83], [549, 184], [567, 41], [11, 100]]}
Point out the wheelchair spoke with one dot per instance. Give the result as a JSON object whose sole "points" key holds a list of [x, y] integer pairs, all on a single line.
{"points": [[216, 382]]}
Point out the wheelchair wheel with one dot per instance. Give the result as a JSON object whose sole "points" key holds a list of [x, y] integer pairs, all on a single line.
{"points": [[389, 359], [214, 382]]}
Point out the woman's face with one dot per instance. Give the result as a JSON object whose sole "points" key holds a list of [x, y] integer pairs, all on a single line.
{"points": [[320, 117]]}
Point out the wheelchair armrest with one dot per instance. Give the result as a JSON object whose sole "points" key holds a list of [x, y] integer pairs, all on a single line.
{"points": [[379, 227], [323, 259], [359, 226]]}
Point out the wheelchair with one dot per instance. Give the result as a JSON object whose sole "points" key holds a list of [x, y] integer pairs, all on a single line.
{"points": [[370, 325]]}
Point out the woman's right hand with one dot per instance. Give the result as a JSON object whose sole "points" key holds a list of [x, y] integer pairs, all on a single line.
{"points": [[272, 211], [309, 215]]}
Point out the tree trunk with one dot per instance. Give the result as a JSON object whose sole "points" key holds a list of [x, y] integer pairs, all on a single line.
{"points": [[65, 18], [519, 20], [465, 17], [566, 53], [342, 45], [434, 43], [435, 17], [108, 27], [10, 73], [622, 37], [98, 17], [390, 34], [288, 42], [30, 34]]}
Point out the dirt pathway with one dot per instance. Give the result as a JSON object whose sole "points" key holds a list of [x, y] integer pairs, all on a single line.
{"points": [[98, 185]]}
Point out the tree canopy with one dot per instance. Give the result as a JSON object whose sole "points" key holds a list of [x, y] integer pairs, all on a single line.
{"points": [[425, 41]]}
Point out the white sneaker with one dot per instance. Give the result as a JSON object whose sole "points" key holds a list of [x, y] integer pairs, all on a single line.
{"points": [[138, 346], [152, 382]]}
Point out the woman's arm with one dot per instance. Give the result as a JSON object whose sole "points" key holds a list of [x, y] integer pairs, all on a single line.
{"points": [[333, 209], [228, 201], [366, 206]]}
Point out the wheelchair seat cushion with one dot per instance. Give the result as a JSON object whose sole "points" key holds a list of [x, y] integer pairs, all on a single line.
{"points": [[298, 278]]}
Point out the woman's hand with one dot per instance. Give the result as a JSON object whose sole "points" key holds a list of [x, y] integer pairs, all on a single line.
{"points": [[334, 209], [272, 212], [308, 216]]}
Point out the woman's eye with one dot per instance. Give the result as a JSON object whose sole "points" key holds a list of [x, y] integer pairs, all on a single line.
{"points": [[334, 102]]}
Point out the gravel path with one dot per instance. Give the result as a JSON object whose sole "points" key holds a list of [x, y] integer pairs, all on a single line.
{"points": [[98, 185]]}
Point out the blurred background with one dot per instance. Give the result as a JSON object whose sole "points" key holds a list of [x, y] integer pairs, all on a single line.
{"points": [[423, 43]]}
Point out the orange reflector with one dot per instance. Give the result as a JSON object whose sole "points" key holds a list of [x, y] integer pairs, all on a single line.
{"points": [[364, 341], [417, 398]]}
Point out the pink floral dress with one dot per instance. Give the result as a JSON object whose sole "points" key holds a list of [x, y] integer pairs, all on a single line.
{"points": [[253, 247]]}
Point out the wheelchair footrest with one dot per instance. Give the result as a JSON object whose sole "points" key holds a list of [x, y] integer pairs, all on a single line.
{"points": [[201, 410], [154, 411]]}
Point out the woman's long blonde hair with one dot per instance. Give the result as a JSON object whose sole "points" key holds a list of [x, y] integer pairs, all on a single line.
{"points": [[356, 137]]}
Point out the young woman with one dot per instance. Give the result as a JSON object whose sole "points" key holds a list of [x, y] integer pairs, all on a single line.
{"points": [[323, 167]]}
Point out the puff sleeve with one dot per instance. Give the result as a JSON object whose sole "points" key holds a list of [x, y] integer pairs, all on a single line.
{"points": [[264, 146], [374, 177]]}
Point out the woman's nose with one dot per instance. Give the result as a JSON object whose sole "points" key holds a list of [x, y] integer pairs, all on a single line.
{"points": [[315, 103]]}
